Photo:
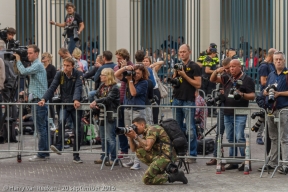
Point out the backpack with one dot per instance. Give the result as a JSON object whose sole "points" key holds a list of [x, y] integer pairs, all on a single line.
{"points": [[176, 135], [11, 77]]}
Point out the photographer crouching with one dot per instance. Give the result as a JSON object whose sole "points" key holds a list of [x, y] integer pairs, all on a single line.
{"points": [[70, 81], [154, 151], [239, 88], [276, 93], [189, 77]]}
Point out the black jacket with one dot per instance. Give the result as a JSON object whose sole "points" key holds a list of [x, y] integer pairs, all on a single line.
{"points": [[70, 88], [112, 100], [90, 73]]}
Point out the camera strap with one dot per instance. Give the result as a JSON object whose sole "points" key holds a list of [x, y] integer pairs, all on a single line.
{"points": [[273, 108]]}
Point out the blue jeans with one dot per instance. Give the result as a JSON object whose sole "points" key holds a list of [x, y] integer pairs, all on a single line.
{"points": [[182, 113], [71, 45], [40, 116], [122, 138], [63, 117], [220, 128], [91, 95], [109, 138], [238, 135]]}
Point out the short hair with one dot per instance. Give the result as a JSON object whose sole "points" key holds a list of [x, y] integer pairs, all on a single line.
{"points": [[110, 75], [101, 58], [144, 70], [77, 53], [2, 45], [147, 57], [182, 38], [34, 47], [46, 54], [226, 61], [123, 53], [139, 120], [63, 50], [69, 60], [70, 4], [280, 53], [271, 51], [11, 31], [139, 55], [108, 55]]}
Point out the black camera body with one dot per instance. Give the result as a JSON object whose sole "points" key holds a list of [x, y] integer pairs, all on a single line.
{"points": [[178, 66], [215, 101], [73, 26], [261, 119], [271, 92], [153, 100], [233, 91], [174, 82], [124, 130], [130, 73]]}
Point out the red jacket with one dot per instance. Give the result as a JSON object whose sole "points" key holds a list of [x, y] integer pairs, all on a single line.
{"points": [[255, 62]]}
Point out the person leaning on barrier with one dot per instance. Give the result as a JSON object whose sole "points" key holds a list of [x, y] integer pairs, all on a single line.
{"points": [[154, 151], [189, 78], [222, 71], [70, 81], [136, 92], [107, 94], [276, 93], [37, 87], [239, 88]]}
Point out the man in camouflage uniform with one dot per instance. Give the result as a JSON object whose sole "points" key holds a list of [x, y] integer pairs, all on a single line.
{"points": [[148, 149]]}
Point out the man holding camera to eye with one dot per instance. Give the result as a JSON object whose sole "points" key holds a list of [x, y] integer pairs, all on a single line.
{"points": [[7, 36], [276, 93], [238, 90], [153, 150], [70, 81], [189, 77]]}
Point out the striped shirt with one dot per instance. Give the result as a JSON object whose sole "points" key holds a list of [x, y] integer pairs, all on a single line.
{"points": [[38, 78]]}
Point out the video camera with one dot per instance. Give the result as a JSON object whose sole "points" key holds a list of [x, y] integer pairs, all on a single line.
{"points": [[174, 82], [261, 119], [73, 26], [271, 92], [124, 130], [178, 66], [233, 93]]}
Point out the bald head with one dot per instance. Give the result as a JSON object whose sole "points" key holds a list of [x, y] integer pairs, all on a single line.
{"points": [[184, 53], [185, 46], [270, 54], [235, 67], [236, 62]]}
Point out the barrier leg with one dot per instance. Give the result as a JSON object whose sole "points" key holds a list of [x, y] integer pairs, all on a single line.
{"points": [[247, 156]]}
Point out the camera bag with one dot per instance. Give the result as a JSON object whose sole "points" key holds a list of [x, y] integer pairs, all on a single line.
{"points": [[162, 88], [209, 146]]}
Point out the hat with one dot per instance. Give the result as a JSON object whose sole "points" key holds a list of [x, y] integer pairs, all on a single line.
{"points": [[213, 50], [213, 45]]}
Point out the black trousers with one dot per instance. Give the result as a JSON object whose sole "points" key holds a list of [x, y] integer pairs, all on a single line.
{"points": [[155, 110]]}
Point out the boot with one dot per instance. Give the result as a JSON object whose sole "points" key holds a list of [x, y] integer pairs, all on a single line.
{"points": [[179, 176]]}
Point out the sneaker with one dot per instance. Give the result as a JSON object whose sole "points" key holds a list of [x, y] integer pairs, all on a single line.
{"points": [[98, 161], [55, 149], [136, 166], [265, 168], [259, 141], [36, 158], [77, 160], [283, 170], [123, 155], [129, 164]]}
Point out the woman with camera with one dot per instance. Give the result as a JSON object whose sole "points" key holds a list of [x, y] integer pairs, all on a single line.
{"points": [[108, 95], [136, 92]]}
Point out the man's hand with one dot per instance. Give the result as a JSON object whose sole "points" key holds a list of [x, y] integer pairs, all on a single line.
{"points": [[52, 22], [220, 70], [97, 64], [41, 103], [129, 78], [277, 94], [93, 105], [265, 93], [76, 104], [78, 32], [181, 72], [17, 56], [123, 63], [131, 134]]}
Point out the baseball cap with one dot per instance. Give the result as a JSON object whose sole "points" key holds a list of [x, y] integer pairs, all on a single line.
{"points": [[213, 45], [213, 50]]}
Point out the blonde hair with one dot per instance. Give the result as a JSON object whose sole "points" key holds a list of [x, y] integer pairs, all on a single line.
{"points": [[77, 53], [110, 75], [46, 54]]}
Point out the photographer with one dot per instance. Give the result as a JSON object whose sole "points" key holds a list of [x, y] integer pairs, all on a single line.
{"points": [[152, 150], [277, 99], [108, 95], [37, 87], [64, 53], [239, 88], [70, 18], [70, 81], [136, 93], [184, 95], [7, 36]]}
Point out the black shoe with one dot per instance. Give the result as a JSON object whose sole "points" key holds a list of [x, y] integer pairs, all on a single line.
{"points": [[265, 168], [283, 170], [231, 166], [241, 168], [77, 159], [179, 176]]}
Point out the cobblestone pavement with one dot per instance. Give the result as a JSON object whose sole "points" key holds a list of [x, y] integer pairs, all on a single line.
{"points": [[59, 173]]}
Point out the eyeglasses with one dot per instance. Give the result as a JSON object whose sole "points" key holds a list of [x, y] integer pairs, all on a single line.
{"points": [[43, 57]]}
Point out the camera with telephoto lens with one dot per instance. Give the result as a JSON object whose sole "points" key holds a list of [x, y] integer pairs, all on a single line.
{"points": [[178, 66], [130, 73], [271, 92], [124, 130], [153, 100], [174, 82], [233, 93], [73, 26], [261, 119], [215, 101]]}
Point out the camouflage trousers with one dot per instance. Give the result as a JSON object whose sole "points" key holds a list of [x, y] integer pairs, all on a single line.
{"points": [[155, 174]]}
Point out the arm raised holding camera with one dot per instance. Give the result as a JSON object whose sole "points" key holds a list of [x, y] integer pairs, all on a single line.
{"points": [[196, 82]]}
